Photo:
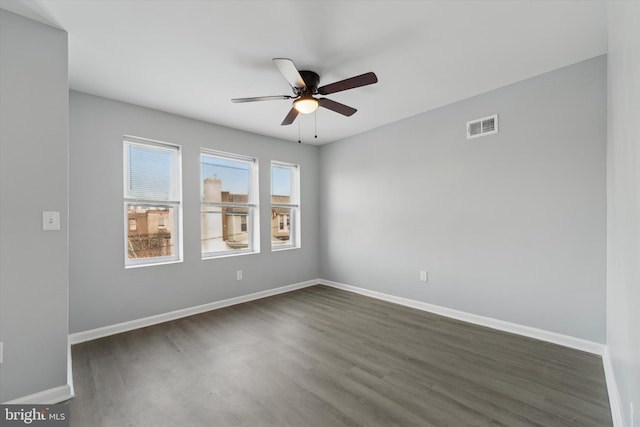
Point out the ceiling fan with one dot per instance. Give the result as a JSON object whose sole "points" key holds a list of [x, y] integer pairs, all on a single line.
{"points": [[305, 84]]}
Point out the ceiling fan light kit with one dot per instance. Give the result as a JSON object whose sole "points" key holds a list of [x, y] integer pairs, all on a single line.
{"points": [[306, 104], [304, 84]]}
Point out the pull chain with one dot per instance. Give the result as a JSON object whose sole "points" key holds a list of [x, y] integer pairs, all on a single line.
{"points": [[315, 124], [299, 140]]}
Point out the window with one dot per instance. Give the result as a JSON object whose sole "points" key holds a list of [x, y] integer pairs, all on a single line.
{"points": [[152, 202], [285, 208], [229, 209]]}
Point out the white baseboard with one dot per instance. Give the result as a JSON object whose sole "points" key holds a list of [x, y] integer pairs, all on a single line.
{"points": [[92, 334], [45, 397], [501, 325], [62, 393], [52, 395], [70, 370], [553, 337], [612, 389]]}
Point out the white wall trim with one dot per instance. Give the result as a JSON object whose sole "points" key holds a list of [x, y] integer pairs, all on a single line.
{"points": [[612, 389], [501, 325], [52, 395], [92, 334], [552, 337], [65, 392], [70, 369], [45, 397]]}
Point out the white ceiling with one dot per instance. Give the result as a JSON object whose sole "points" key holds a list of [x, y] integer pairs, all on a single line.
{"points": [[191, 57]]}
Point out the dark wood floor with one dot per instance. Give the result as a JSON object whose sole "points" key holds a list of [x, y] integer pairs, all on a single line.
{"points": [[325, 357]]}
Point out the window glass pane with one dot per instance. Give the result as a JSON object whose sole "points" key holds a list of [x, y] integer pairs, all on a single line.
{"points": [[150, 231], [224, 229], [151, 173], [281, 184], [281, 222], [224, 180]]}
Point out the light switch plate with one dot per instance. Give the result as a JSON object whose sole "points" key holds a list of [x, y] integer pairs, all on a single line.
{"points": [[50, 221]]}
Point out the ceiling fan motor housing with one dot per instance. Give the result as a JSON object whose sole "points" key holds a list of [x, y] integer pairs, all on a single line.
{"points": [[312, 81]]}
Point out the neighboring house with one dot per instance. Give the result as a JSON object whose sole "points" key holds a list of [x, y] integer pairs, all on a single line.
{"points": [[280, 219], [225, 225], [150, 232]]}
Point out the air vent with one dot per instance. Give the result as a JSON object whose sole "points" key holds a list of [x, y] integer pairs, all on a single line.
{"points": [[482, 127]]}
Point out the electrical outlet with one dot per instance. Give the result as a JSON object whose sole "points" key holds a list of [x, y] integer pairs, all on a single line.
{"points": [[239, 275], [631, 414], [1, 351], [424, 277]]}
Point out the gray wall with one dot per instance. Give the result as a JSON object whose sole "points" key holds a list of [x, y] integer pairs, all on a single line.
{"points": [[102, 292], [623, 233], [33, 178], [509, 226]]}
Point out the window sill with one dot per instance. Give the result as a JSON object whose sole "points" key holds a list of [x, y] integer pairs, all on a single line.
{"points": [[284, 248], [228, 255], [152, 264]]}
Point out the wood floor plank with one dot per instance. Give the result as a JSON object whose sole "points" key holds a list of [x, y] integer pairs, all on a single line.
{"points": [[324, 357]]}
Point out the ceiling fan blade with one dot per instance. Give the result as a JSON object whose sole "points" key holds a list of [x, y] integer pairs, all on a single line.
{"points": [[350, 83], [290, 72], [261, 98], [345, 110], [293, 113]]}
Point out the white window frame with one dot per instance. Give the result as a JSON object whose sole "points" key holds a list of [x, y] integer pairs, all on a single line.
{"points": [[252, 206], [295, 240], [176, 205]]}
